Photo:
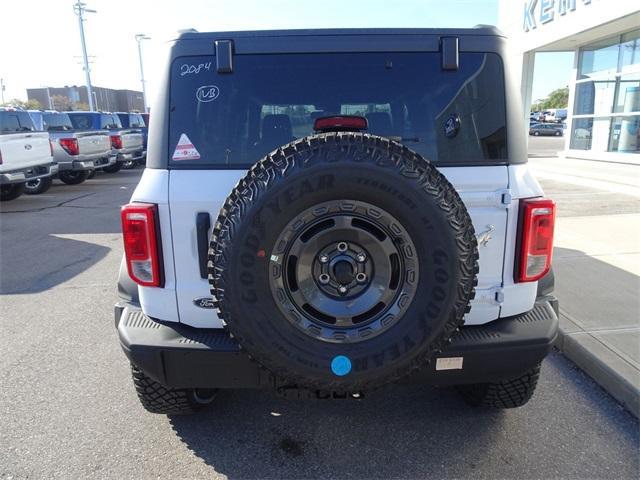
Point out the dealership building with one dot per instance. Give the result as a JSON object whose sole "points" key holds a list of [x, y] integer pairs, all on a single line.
{"points": [[604, 88], [105, 99]]}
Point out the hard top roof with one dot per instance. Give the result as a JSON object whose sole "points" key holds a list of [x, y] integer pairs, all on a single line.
{"points": [[476, 30]]}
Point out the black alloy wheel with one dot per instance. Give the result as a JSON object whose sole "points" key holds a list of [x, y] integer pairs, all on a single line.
{"points": [[346, 276]]}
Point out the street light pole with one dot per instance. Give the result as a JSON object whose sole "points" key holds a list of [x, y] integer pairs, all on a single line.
{"points": [[139, 38], [80, 9], [2, 89]]}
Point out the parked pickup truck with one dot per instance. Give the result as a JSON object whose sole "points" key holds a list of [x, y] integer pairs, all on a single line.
{"points": [[25, 154], [135, 120], [76, 152], [126, 143]]}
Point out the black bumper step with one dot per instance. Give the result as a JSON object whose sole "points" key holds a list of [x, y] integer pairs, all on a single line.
{"points": [[178, 355]]}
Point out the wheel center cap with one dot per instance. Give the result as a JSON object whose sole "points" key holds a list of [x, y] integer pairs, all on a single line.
{"points": [[343, 272]]}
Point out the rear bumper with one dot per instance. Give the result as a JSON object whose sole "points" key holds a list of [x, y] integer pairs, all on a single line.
{"points": [[28, 173], [133, 155], [180, 356], [87, 164]]}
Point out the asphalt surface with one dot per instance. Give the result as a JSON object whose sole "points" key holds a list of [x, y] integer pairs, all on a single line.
{"points": [[68, 408], [545, 146]]}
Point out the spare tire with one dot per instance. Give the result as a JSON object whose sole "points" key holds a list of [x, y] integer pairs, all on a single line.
{"points": [[343, 261]]}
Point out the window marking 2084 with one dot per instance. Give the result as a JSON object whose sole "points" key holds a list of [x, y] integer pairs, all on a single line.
{"points": [[188, 69]]}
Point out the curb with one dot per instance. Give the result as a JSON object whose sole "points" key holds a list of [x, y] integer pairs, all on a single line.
{"points": [[602, 160], [619, 378]]}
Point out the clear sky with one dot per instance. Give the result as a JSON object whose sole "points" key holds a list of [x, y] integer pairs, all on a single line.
{"points": [[39, 39], [552, 70]]}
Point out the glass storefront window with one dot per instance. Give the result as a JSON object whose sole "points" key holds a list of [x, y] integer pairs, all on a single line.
{"points": [[581, 134], [630, 49], [628, 99], [625, 134], [594, 98], [607, 96], [600, 134], [600, 58]]}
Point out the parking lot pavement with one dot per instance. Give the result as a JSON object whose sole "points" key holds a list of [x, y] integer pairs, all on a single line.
{"points": [[545, 146], [68, 409], [597, 266]]}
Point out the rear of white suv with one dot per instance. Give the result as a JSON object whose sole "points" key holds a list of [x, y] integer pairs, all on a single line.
{"points": [[409, 95]]}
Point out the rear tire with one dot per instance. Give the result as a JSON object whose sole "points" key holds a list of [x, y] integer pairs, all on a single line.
{"points": [[73, 178], [38, 186], [129, 164], [156, 398], [505, 394], [11, 191], [115, 168], [536, 134]]}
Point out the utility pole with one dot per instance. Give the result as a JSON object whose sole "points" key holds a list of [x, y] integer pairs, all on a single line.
{"points": [[139, 38], [80, 9], [2, 89]]}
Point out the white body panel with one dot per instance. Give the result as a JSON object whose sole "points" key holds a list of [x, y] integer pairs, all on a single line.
{"points": [[481, 190], [518, 297], [490, 194], [22, 150], [159, 303]]}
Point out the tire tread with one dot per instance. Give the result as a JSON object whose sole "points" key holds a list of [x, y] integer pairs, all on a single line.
{"points": [[381, 151], [505, 394]]}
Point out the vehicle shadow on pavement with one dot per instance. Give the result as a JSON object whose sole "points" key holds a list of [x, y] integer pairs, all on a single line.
{"points": [[415, 431], [404, 432], [60, 260], [607, 300], [51, 238]]}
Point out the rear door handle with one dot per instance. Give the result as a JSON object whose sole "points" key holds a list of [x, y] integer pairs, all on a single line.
{"points": [[203, 223]]}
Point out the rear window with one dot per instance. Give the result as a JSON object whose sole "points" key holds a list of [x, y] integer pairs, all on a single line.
{"points": [[110, 121], [232, 120], [11, 122], [57, 122], [136, 120], [36, 118], [131, 120], [81, 121]]}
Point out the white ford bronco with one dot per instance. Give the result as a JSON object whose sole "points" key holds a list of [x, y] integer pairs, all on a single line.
{"points": [[326, 212]]}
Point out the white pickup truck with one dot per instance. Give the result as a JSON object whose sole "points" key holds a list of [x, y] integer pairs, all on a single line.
{"points": [[25, 154]]}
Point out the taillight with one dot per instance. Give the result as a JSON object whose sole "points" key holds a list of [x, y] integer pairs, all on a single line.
{"points": [[51, 147], [116, 142], [340, 123], [141, 243], [70, 145], [537, 217]]}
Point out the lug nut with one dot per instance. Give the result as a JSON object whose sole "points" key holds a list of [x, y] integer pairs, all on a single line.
{"points": [[343, 247], [361, 257], [361, 277], [323, 278], [324, 258], [342, 289]]}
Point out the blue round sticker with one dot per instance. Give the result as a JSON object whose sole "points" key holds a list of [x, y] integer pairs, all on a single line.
{"points": [[340, 365]]}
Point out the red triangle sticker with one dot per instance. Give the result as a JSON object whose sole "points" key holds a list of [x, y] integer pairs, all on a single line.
{"points": [[185, 150]]}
